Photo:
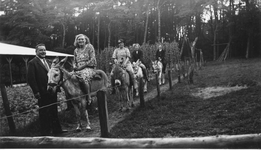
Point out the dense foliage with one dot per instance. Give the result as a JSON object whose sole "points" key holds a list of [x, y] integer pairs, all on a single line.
{"points": [[56, 22]]}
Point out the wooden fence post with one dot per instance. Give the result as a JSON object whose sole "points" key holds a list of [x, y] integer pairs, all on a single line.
{"points": [[103, 113], [10, 70], [170, 79], [141, 93], [7, 110], [26, 67], [158, 86]]}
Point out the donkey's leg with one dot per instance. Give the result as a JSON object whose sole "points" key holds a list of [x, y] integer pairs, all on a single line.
{"points": [[137, 87], [78, 116], [159, 78], [119, 99], [85, 112], [131, 97], [88, 127], [163, 78], [127, 98], [145, 86]]}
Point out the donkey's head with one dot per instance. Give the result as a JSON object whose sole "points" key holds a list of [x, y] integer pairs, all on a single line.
{"points": [[156, 66], [55, 75], [118, 74]]}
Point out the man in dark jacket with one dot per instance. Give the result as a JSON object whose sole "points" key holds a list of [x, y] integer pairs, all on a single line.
{"points": [[37, 80]]}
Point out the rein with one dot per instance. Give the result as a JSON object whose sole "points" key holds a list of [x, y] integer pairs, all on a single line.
{"points": [[63, 79]]}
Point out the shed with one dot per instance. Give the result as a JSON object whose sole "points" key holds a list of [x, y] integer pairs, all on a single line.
{"points": [[9, 51]]}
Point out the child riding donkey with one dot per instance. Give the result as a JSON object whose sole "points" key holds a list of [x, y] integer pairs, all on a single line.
{"points": [[137, 58]]}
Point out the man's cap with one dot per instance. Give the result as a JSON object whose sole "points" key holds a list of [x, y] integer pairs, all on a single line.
{"points": [[120, 41]]}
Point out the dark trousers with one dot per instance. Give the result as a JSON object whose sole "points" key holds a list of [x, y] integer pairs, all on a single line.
{"points": [[48, 114], [164, 67]]}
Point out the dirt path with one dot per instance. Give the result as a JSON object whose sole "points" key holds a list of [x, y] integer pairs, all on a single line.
{"points": [[114, 117]]}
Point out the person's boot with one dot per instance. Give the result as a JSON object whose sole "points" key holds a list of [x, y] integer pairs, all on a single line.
{"points": [[145, 74], [113, 91]]}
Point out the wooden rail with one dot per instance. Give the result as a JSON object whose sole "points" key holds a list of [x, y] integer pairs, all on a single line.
{"points": [[224, 141]]}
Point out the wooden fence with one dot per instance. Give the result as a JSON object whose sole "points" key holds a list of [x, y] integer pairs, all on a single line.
{"points": [[225, 141]]}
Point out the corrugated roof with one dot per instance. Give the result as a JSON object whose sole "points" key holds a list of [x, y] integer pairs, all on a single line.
{"points": [[9, 49]]}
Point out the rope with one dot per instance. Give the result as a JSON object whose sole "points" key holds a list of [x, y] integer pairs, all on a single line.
{"points": [[2, 118]]}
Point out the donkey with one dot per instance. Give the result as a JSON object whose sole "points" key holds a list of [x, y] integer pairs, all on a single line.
{"points": [[138, 75], [123, 86], [157, 67], [59, 76]]}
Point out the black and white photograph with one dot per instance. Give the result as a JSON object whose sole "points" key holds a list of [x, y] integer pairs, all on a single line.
{"points": [[130, 74]]}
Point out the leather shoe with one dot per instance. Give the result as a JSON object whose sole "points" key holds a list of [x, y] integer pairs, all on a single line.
{"points": [[60, 132]]}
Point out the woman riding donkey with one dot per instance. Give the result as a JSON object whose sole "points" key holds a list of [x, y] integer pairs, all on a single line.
{"points": [[122, 56], [160, 56], [84, 63]]}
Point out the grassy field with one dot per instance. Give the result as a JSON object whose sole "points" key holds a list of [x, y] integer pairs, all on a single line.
{"points": [[179, 114]]}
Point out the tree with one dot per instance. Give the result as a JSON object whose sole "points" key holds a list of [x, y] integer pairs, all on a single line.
{"points": [[27, 22]]}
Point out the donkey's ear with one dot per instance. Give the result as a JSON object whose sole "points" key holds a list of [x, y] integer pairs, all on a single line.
{"points": [[55, 61], [64, 60]]}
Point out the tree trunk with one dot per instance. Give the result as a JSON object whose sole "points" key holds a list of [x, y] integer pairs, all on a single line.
{"points": [[198, 24], [232, 13], [64, 32], [146, 25], [159, 25], [248, 47], [193, 47], [182, 47], [98, 34], [93, 30], [109, 34], [215, 29], [214, 44]]}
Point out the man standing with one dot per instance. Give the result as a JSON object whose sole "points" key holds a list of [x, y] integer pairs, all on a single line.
{"points": [[37, 80]]}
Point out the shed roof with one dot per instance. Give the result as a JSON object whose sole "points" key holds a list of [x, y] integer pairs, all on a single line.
{"points": [[9, 49]]}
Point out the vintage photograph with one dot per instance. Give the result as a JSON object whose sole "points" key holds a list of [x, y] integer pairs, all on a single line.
{"points": [[179, 74]]}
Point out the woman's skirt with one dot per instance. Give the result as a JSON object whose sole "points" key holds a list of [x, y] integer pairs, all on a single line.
{"points": [[86, 74]]}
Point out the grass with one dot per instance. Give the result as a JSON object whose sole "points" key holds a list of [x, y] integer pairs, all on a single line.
{"points": [[178, 114]]}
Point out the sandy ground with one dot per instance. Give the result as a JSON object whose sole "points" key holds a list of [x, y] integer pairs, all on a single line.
{"points": [[209, 92]]}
